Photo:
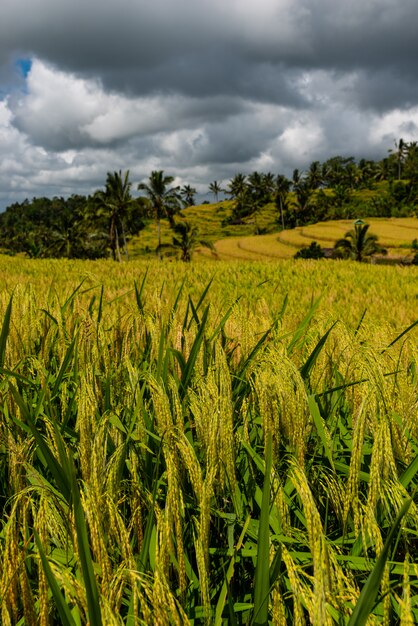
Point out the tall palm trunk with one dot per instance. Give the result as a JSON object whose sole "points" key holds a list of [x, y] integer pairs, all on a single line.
{"points": [[112, 238], [281, 211], [117, 244], [159, 238], [125, 243]]}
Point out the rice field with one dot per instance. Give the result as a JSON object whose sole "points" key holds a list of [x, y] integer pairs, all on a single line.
{"points": [[224, 443], [395, 234], [254, 248]]}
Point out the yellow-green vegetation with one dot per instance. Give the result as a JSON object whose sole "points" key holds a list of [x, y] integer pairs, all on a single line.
{"points": [[221, 443], [261, 247], [209, 219], [240, 241], [395, 234]]}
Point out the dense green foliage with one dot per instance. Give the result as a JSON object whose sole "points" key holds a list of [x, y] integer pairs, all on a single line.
{"points": [[185, 241], [102, 224], [358, 244], [76, 227], [164, 200], [313, 251]]}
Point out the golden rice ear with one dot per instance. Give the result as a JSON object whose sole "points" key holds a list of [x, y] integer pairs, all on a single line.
{"points": [[162, 397]]}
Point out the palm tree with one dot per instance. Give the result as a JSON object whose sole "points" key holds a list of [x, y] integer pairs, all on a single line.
{"points": [[188, 194], [296, 178], [187, 240], [334, 171], [314, 176], [113, 204], [411, 162], [269, 185], [282, 189], [255, 182], [341, 194], [165, 200], [302, 201], [255, 194], [358, 244], [400, 152], [68, 235], [383, 170], [367, 169], [78, 241], [237, 185], [215, 188]]}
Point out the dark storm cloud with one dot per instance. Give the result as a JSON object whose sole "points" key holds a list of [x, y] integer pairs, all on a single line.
{"points": [[205, 48], [365, 34], [204, 74], [383, 90], [203, 88]]}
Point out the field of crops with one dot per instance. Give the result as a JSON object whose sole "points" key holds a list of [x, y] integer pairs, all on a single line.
{"points": [[395, 234], [220, 443]]}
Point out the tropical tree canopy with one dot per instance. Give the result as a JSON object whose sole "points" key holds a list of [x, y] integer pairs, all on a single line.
{"points": [[104, 222], [165, 200], [314, 251], [358, 244], [54, 227], [186, 240], [237, 185], [188, 194], [113, 204], [215, 189]]}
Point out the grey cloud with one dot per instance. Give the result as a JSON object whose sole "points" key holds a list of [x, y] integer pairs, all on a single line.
{"points": [[199, 45], [204, 88], [384, 90], [236, 142], [205, 76], [365, 34]]}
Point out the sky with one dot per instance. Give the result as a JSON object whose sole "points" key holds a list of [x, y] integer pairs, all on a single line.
{"points": [[201, 89]]}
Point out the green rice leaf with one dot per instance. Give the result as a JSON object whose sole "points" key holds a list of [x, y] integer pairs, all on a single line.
{"points": [[370, 590], [191, 361], [139, 292], [5, 332], [301, 329], [305, 370], [60, 602], [58, 472], [64, 366], [262, 569], [320, 427], [228, 576], [404, 332], [410, 473], [92, 594], [100, 310]]}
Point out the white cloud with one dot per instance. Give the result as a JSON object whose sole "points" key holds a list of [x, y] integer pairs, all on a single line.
{"points": [[56, 106], [59, 110], [199, 89], [394, 125], [301, 139]]}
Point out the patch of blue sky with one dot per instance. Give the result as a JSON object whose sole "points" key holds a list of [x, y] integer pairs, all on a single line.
{"points": [[24, 66]]}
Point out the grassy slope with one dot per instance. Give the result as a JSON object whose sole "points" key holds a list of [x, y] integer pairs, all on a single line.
{"points": [[208, 218], [240, 242], [395, 234]]}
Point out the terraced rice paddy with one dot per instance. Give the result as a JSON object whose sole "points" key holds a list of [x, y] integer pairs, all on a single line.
{"points": [[225, 443], [395, 234]]}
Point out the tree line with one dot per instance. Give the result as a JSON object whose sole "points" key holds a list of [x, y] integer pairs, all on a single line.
{"points": [[102, 224], [334, 189]]}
